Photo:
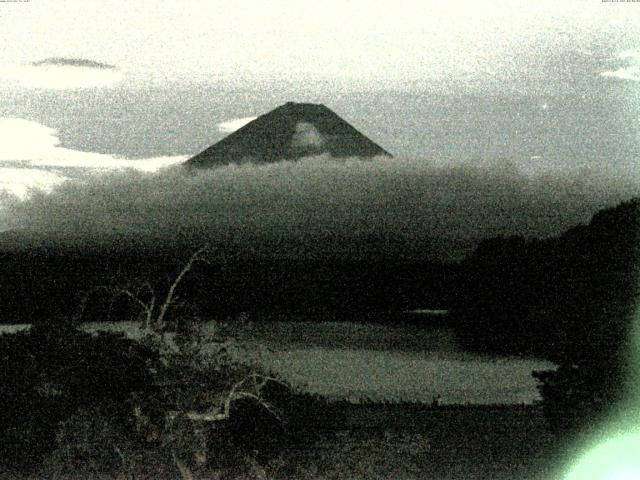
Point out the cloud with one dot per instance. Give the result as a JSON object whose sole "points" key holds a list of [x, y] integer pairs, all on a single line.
{"points": [[315, 199], [73, 62], [103, 162], [31, 156], [629, 72], [235, 124], [25, 140], [20, 181], [632, 54], [60, 73], [307, 135]]}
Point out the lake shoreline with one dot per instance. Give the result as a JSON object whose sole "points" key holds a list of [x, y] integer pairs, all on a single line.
{"points": [[371, 363]]}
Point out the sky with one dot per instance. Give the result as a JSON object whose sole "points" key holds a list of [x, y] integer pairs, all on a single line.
{"points": [[545, 87]]}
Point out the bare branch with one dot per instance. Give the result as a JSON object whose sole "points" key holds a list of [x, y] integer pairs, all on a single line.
{"points": [[185, 471], [152, 306], [115, 291], [266, 379], [266, 405], [207, 416], [197, 256], [216, 415], [131, 296]]}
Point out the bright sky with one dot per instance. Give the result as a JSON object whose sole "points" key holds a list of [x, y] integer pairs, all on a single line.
{"points": [[381, 41], [105, 82]]}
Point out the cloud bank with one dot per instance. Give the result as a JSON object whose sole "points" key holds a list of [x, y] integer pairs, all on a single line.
{"points": [[318, 198], [31, 156]]}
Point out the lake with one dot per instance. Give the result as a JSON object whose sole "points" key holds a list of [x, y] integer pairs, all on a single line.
{"points": [[360, 362]]}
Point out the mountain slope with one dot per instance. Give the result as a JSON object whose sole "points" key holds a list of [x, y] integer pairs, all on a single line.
{"points": [[291, 131]]}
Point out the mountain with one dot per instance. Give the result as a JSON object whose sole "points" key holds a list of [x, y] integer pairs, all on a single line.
{"points": [[291, 131]]}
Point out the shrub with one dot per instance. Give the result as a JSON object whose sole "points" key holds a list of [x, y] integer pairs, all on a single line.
{"points": [[214, 408], [94, 404], [92, 441], [208, 409], [49, 372]]}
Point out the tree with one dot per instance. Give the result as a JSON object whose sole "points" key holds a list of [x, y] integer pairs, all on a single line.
{"points": [[198, 378], [595, 318]]}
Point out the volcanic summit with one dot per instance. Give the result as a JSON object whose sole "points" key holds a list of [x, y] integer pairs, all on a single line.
{"points": [[290, 131]]}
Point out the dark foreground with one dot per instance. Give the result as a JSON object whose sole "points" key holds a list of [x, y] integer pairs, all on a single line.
{"points": [[376, 441], [412, 441]]}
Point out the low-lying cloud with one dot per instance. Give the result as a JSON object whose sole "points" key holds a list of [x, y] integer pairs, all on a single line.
{"points": [[317, 198]]}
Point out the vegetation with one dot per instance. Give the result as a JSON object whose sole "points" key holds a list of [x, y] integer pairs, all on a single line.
{"points": [[569, 299], [93, 404], [51, 372], [179, 403], [44, 281]]}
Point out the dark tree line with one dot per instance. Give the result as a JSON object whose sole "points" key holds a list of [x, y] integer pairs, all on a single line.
{"points": [[47, 281], [569, 299]]}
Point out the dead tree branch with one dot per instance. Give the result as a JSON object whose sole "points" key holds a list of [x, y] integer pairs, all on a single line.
{"points": [[160, 319]]}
